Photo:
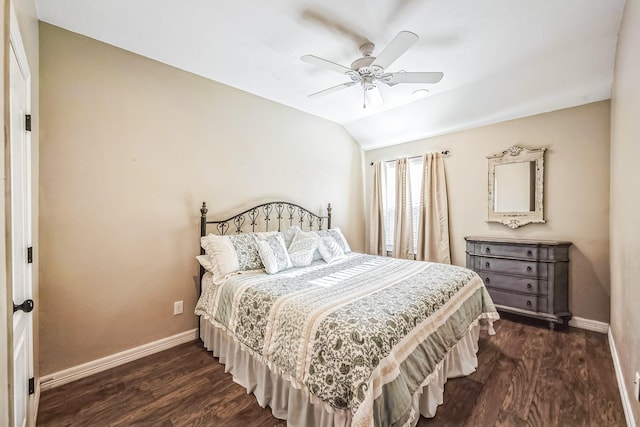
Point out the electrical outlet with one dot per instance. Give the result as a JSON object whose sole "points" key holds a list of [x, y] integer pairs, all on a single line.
{"points": [[636, 383], [177, 307]]}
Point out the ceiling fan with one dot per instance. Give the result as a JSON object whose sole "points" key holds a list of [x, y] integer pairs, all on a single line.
{"points": [[369, 71]]}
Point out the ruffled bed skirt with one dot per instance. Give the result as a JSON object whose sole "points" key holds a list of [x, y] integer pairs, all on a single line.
{"points": [[300, 408]]}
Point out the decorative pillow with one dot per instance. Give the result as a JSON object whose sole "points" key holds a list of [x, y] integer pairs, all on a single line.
{"points": [[330, 249], [302, 250], [336, 233], [273, 254], [305, 235], [223, 258], [246, 248], [289, 234]]}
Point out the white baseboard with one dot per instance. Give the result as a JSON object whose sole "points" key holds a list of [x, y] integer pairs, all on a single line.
{"points": [[590, 325], [626, 404], [76, 372]]}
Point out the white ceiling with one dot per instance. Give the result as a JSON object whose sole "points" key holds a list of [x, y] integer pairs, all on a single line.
{"points": [[502, 59]]}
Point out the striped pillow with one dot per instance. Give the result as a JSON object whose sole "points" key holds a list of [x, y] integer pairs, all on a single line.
{"points": [[330, 249]]}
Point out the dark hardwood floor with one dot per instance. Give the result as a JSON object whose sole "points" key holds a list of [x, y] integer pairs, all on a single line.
{"points": [[527, 376]]}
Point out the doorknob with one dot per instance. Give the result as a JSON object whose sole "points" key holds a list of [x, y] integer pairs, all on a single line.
{"points": [[26, 306]]}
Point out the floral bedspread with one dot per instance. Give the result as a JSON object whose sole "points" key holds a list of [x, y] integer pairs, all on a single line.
{"points": [[345, 331]]}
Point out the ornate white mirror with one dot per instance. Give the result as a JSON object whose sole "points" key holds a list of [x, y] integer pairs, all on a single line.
{"points": [[516, 178]]}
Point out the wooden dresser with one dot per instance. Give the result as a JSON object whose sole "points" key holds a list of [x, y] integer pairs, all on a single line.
{"points": [[526, 277]]}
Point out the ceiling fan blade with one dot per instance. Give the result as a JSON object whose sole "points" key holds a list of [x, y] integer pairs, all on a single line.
{"points": [[412, 77], [310, 59], [334, 24], [332, 89], [394, 50]]}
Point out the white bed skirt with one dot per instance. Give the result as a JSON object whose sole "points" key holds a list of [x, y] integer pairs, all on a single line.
{"points": [[301, 409]]}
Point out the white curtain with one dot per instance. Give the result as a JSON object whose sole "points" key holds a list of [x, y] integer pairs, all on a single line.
{"points": [[433, 216], [376, 245], [403, 229]]}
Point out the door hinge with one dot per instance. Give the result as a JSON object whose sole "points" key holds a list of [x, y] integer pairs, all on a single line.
{"points": [[29, 255], [32, 385], [28, 122]]}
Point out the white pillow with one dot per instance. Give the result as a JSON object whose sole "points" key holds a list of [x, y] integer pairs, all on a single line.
{"points": [[222, 256], [330, 249], [205, 262], [273, 254], [302, 250]]}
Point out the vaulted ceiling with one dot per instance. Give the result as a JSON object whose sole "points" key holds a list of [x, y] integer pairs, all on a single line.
{"points": [[501, 59]]}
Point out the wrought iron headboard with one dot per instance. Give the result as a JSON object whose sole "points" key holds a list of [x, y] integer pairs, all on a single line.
{"points": [[284, 214]]}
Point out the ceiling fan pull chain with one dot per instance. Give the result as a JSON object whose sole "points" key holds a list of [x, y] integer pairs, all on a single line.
{"points": [[364, 97]]}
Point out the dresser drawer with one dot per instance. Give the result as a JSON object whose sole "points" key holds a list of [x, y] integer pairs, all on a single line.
{"points": [[509, 251], [509, 266], [521, 301], [518, 284]]}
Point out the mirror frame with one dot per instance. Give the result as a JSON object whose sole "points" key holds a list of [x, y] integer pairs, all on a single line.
{"points": [[517, 154]]}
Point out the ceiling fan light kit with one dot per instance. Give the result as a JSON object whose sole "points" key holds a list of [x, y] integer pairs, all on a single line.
{"points": [[420, 93], [369, 70]]}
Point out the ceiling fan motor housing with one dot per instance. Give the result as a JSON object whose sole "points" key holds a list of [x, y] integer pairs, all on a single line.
{"points": [[362, 63], [364, 68]]}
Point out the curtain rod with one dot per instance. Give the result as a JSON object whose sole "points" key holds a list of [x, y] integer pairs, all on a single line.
{"points": [[444, 153]]}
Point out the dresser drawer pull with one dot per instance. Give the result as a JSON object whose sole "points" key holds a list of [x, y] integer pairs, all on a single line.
{"points": [[487, 264], [529, 286], [488, 250], [528, 303], [486, 280], [529, 253], [529, 269]]}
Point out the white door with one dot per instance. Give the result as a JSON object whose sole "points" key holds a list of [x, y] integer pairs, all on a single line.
{"points": [[20, 170]]}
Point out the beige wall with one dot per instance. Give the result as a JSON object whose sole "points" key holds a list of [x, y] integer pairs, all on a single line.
{"points": [[576, 197], [625, 201], [129, 150]]}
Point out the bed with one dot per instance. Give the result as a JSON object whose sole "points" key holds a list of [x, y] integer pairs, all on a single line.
{"points": [[329, 337]]}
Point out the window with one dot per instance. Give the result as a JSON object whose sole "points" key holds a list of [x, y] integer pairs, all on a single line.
{"points": [[414, 182]]}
